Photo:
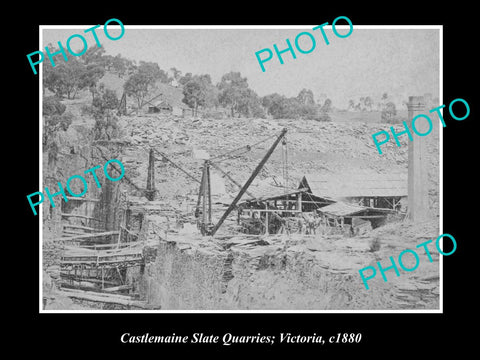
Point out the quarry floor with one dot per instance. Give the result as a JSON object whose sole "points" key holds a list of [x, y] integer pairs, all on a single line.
{"points": [[296, 272]]}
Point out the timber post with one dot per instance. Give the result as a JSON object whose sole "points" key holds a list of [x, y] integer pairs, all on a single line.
{"points": [[150, 192]]}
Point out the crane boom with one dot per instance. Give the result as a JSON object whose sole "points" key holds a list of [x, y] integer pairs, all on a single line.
{"points": [[249, 181]]}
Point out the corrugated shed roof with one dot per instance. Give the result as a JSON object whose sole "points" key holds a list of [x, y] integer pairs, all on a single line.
{"points": [[265, 191], [341, 209], [272, 194], [361, 184]]}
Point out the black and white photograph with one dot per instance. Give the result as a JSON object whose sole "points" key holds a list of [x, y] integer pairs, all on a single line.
{"points": [[236, 188], [212, 179]]}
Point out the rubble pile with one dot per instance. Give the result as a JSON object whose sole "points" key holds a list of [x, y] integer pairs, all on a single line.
{"points": [[238, 271], [312, 147], [311, 272]]}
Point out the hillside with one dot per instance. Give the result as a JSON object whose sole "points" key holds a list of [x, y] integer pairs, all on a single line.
{"points": [[337, 147], [317, 272]]}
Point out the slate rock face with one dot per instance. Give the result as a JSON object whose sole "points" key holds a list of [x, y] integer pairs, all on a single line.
{"points": [[291, 272]]}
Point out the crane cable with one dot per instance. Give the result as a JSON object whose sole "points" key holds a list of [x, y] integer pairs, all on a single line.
{"points": [[246, 148]]}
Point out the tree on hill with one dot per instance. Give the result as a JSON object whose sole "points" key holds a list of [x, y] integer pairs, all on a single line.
{"points": [[196, 90], [66, 78], [292, 108], [327, 106], [389, 112], [55, 119], [182, 80], [69, 77], [275, 105], [96, 55], [251, 106], [281, 107], [106, 126], [194, 95], [176, 74], [234, 92], [351, 104], [368, 103], [143, 80], [153, 72], [383, 101], [305, 97], [90, 77], [107, 100], [121, 66], [137, 86], [103, 111], [308, 111], [362, 103]]}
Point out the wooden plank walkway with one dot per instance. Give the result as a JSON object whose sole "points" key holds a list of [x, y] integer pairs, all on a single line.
{"points": [[107, 298], [86, 236], [102, 258]]}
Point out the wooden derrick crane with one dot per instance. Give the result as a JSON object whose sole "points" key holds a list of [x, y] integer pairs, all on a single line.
{"points": [[205, 200], [203, 209]]}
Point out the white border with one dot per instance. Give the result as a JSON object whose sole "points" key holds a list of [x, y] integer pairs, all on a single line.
{"points": [[259, 27]]}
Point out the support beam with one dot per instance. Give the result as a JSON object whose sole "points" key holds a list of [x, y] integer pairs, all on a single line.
{"points": [[266, 219], [249, 181], [204, 197], [299, 201], [274, 211], [80, 216], [150, 192], [86, 236], [200, 194], [122, 108], [209, 192], [79, 227]]}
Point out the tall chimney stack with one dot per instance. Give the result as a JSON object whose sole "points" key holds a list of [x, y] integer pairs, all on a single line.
{"points": [[417, 163]]}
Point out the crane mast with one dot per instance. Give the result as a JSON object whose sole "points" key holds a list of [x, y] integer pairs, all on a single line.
{"points": [[206, 226]]}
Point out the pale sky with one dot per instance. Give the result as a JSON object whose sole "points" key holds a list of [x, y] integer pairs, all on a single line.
{"points": [[402, 62]]}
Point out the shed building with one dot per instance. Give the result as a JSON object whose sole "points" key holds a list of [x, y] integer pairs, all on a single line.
{"points": [[353, 217], [362, 188]]}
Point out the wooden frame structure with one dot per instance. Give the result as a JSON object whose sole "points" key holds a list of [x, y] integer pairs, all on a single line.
{"points": [[274, 212]]}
